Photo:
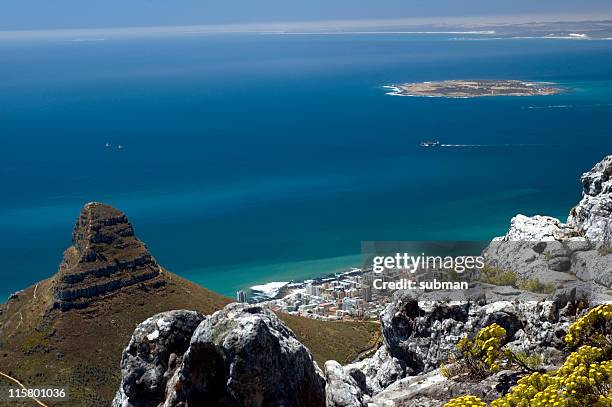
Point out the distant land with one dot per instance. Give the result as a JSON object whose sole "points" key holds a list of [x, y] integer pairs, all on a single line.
{"points": [[489, 28], [473, 88]]}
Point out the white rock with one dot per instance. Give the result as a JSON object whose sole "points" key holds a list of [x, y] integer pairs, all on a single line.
{"points": [[593, 214]]}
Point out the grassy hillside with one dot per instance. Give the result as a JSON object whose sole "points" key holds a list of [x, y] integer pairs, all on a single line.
{"points": [[337, 340], [81, 349]]}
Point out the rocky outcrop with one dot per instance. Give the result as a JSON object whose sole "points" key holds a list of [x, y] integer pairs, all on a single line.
{"points": [[244, 355], [152, 356], [342, 390], [549, 259], [564, 254], [420, 334], [104, 258], [434, 390], [379, 371], [592, 217], [537, 229], [240, 356]]}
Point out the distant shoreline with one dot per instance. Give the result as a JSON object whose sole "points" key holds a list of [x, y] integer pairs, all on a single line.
{"points": [[467, 89]]}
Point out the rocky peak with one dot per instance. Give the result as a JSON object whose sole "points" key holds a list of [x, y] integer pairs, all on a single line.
{"points": [[105, 257], [100, 224]]}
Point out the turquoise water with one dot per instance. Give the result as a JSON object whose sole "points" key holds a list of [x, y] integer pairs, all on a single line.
{"points": [[250, 158]]}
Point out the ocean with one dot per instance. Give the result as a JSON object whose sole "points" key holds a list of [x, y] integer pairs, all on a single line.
{"points": [[254, 158]]}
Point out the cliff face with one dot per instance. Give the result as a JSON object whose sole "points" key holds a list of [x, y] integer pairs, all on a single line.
{"points": [[592, 217], [105, 257]]}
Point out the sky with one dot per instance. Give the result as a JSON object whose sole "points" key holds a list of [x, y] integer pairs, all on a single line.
{"points": [[65, 14]]}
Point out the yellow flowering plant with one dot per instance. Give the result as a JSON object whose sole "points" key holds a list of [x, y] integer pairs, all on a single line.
{"points": [[466, 401], [585, 378], [595, 328], [482, 355]]}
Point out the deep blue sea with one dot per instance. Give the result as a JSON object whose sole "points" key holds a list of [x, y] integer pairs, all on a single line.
{"points": [[254, 158]]}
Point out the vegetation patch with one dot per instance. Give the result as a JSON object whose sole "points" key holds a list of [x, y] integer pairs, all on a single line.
{"points": [[478, 358], [604, 250], [547, 256], [585, 379], [498, 276], [536, 286], [344, 341]]}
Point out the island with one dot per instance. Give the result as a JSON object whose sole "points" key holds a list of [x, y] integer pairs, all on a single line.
{"points": [[473, 88]]}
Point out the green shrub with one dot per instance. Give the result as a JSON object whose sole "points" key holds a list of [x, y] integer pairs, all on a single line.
{"points": [[497, 276], [536, 286], [530, 362], [604, 250], [547, 256]]}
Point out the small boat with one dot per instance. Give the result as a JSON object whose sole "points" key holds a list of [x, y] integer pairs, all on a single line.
{"points": [[107, 145], [120, 147], [430, 143]]}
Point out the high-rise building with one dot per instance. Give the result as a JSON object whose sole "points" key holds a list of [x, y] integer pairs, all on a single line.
{"points": [[347, 304], [313, 290], [241, 296], [367, 293]]}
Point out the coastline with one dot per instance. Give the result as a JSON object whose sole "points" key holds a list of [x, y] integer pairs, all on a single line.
{"points": [[247, 275]]}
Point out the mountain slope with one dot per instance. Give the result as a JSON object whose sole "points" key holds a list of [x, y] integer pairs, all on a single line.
{"points": [[69, 330]]}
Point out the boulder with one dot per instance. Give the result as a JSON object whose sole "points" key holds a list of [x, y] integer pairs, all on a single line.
{"points": [[434, 390], [377, 372], [342, 390], [240, 356], [155, 350]]}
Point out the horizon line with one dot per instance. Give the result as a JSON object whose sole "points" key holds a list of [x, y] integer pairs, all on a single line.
{"points": [[318, 26]]}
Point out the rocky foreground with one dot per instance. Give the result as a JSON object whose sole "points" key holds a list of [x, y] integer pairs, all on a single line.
{"points": [[244, 355]]}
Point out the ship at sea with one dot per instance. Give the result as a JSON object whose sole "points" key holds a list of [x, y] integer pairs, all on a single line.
{"points": [[430, 143]]}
